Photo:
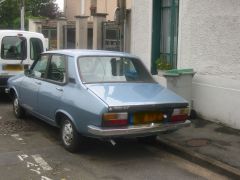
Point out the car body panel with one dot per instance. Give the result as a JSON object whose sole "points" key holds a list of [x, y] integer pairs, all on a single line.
{"points": [[132, 94], [49, 100], [29, 93]]}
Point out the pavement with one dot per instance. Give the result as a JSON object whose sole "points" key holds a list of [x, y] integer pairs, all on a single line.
{"points": [[208, 144]]}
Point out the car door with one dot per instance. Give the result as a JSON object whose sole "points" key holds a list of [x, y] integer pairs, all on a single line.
{"points": [[32, 82], [51, 90]]}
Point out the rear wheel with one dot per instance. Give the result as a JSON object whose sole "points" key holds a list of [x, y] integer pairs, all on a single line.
{"points": [[19, 112], [69, 136]]}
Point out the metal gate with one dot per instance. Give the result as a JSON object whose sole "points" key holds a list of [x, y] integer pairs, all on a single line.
{"points": [[51, 34], [111, 36], [69, 36]]}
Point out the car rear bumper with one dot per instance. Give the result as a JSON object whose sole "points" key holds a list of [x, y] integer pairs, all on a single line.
{"points": [[139, 130]]}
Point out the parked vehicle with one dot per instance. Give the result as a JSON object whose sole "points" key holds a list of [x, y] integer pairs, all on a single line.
{"points": [[18, 50], [97, 94]]}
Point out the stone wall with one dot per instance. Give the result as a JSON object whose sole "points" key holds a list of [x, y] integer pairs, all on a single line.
{"points": [[209, 42], [141, 36]]}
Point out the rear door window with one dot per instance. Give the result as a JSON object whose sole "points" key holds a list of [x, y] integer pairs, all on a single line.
{"points": [[57, 69], [14, 48]]}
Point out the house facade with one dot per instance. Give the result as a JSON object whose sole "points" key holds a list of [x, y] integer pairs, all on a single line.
{"points": [[81, 26], [203, 35], [84, 7]]}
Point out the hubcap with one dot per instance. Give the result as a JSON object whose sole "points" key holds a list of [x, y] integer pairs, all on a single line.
{"points": [[15, 105], [67, 133]]}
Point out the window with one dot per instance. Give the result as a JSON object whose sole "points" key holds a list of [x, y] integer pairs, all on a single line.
{"points": [[51, 34], [14, 48], [36, 48], [39, 68], [112, 69], [165, 31], [57, 69], [168, 33]]}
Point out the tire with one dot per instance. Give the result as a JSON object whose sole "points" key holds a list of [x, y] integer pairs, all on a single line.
{"points": [[148, 139], [69, 136], [193, 114], [19, 112]]}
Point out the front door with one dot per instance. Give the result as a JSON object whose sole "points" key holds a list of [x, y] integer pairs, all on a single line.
{"points": [[31, 84]]}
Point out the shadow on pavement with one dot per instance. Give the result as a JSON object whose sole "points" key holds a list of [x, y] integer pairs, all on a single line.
{"points": [[4, 98]]}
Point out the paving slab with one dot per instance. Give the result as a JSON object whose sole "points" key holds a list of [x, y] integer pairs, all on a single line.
{"points": [[207, 142]]}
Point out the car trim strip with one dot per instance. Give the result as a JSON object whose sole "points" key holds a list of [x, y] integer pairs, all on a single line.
{"points": [[136, 130]]}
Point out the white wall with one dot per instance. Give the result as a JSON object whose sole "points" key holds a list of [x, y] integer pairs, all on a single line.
{"points": [[141, 36], [209, 42]]}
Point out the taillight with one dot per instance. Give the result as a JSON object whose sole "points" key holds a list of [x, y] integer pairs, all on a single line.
{"points": [[180, 114], [115, 119]]}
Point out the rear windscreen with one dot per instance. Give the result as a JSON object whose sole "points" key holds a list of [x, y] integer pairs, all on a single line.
{"points": [[14, 48]]}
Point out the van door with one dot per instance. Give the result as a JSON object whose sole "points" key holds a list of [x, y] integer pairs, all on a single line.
{"points": [[13, 53], [18, 51]]}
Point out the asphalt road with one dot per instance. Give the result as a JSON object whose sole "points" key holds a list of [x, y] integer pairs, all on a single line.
{"points": [[31, 149]]}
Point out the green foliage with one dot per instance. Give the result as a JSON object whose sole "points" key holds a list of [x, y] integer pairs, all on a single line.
{"points": [[10, 11], [162, 63], [44, 8]]}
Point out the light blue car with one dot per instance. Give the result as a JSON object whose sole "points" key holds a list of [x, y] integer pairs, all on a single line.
{"points": [[97, 94]]}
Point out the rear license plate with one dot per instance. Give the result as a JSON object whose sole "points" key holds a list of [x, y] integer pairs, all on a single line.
{"points": [[13, 67], [147, 117]]}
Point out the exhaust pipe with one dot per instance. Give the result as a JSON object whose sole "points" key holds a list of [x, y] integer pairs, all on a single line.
{"points": [[112, 142]]}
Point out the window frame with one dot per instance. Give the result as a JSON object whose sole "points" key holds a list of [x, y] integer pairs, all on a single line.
{"points": [[66, 70], [47, 68], [24, 49], [157, 30], [30, 44], [151, 80]]}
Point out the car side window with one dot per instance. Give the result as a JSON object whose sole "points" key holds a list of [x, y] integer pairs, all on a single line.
{"points": [[57, 69], [40, 67]]}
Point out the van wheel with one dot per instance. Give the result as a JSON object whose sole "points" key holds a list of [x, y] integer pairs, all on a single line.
{"points": [[19, 112], [69, 136]]}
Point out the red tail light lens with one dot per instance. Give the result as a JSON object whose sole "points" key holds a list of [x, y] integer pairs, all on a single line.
{"points": [[179, 115], [115, 119]]}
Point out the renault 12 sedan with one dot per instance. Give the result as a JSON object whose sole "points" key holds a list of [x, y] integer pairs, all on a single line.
{"points": [[98, 94]]}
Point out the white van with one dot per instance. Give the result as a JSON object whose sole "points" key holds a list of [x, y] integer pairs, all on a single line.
{"points": [[18, 51]]}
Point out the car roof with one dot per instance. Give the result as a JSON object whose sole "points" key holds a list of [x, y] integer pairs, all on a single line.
{"points": [[11, 32], [87, 52]]}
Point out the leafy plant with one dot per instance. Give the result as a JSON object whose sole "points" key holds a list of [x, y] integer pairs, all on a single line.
{"points": [[162, 63], [10, 11]]}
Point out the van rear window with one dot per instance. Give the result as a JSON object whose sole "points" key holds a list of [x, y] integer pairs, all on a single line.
{"points": [[36, 48], [14, 48]]}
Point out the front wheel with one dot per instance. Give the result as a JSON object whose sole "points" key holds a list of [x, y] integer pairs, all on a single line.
{"points": [[17, 109], [69, 136]]}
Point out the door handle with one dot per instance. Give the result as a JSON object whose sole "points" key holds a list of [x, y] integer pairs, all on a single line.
{"points": [[37, 82], [59, 89]]}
